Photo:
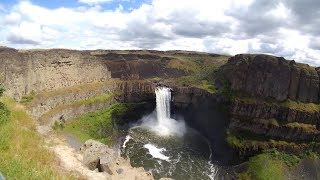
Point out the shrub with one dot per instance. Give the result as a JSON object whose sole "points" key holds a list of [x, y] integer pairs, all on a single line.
{"points": [[266, 167], [28, 98], [4, 114], [2, 89]]}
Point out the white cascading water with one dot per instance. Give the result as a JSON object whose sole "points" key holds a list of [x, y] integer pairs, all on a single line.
{"points": [[163, 124], [163, 99], [173, 150]]}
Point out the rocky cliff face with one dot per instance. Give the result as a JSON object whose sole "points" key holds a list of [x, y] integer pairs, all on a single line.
{"points": [[274, 103], [269, 76], [23, 71], [67, 83]]}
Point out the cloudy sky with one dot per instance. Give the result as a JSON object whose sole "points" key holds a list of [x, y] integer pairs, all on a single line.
{"points": [[288, 28]]}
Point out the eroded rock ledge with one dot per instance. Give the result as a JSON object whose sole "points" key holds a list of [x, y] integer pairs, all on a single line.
{"points": [[270, 76], [274, 103], [98, 156]]}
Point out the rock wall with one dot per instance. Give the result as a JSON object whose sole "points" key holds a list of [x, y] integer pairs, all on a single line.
{"points": [[23, 71], [270, 76], [26, 71], [273, 103], [52, 106], [262, 110]]}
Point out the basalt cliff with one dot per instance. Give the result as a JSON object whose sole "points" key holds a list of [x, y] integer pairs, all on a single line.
{"points": [[274, 103], [60, 84], [247, 102]]}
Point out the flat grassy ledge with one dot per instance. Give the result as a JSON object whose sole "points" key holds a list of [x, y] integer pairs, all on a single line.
{"points": [[102, 98], [201, 70], [22, 155], [296, 105], [272, 164], [267, 166], [34, 98], [101, 125]]}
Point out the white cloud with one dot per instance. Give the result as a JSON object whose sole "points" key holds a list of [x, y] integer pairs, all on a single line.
{"points": [[92, 2], [12, 18], [228, 27]]}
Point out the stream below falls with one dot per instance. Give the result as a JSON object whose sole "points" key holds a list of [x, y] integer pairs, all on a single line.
{"points": [[167, 147], [185, 157]]}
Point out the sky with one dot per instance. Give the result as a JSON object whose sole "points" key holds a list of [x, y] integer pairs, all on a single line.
{"points": [[288, 28]]}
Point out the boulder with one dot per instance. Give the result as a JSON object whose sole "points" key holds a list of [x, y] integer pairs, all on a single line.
{"points": [[106, 162], [97, 156]]}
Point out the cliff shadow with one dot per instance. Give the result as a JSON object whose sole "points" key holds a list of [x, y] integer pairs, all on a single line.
{"points": [[209, 117]]}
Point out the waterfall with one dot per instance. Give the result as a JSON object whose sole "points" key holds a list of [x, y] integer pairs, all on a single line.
{"points": [[163, 99], [170, 149], [160, 120]]}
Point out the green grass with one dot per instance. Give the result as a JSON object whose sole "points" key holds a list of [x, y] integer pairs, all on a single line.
{"points": [[2, 88], [200, 69], [22, 155], [244, 140], [4, 114], [265, 167], [28, 98], [305, 127], [272, 164], [43, 95], [210, 87], [297, 105], [100, 125], [91, 100]]}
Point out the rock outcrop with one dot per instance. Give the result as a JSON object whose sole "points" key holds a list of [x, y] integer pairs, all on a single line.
{"points": [[270, 76], [24, 71], [273, 103], [98, 156]]}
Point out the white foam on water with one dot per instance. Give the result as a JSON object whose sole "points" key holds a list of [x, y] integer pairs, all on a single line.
{"points": [[213, 171], [156, 152], [162, 123], [212, 168], [125, 141]]}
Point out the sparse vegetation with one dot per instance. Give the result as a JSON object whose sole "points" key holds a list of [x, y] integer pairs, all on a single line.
{"points": [[305, 127], [28, 98], [22, 153], [244, 139], [2, 89], [200, 68], [100, 125], [58, 125], [272, 164], [91, 100], [297, 105], [265, 166], [4, 114]]}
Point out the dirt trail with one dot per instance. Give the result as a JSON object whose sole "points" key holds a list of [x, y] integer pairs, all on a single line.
{"points": [[71, 161]]}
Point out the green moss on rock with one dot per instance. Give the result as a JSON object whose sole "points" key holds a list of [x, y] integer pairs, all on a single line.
{"points": [[101, 125]]}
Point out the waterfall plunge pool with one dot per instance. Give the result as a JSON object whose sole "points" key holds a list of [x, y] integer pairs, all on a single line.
{"points": [[167, 147]]}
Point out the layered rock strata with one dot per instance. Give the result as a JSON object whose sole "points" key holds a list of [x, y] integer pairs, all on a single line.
{"points": [[274, 103]]}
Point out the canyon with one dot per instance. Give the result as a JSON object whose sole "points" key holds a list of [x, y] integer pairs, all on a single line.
{"points": [[243, 104]]}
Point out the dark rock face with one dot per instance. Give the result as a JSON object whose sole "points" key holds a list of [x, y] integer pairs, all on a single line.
{"points": [[259, 85], [308, 168], [264, 111], [139, 66], [206, 113], [269, 76]]}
